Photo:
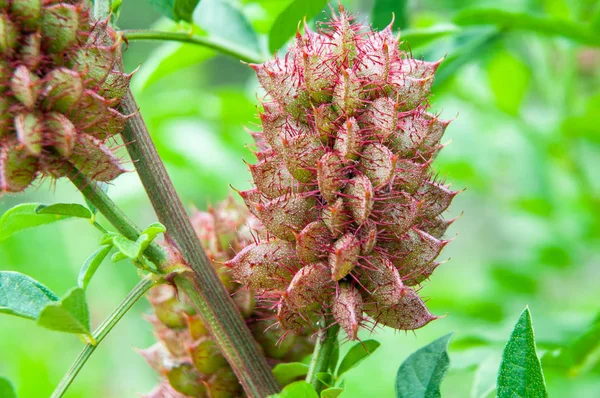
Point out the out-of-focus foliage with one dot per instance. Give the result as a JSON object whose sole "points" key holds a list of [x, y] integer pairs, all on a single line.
{"points": [[525, 144]]}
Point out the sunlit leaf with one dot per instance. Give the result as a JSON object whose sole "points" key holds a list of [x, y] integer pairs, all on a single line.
{"points": [[70, 314], [520, 373], [286, 23], [383, 10], [285, 373], [506, 20], [149, 234], [6, 389], [358, 353], [421, 374], [24, 216], [91, 265], [225, 20], [509, 79], [65, 209], [298, 389], [332, 392], [23, 296]]}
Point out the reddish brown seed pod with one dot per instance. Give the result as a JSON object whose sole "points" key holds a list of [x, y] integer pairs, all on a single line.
{"points": [[185, 356], [60, 90], [344, 176]]}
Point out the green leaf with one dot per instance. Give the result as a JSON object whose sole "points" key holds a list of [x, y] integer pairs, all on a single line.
{"points": [[298, 389], [358, 353], [468, 342], [88, 269], [332, 392], [580, 355], [223, 19], [325, 377], [23, 296], [285, 373], [24, 216], [128, 247], [419, 37], [506, 20], [472, 49], [421, 374], [520, 373], [286, 23], [509, 79], [6, 389], [383, 10], [65, 209], [149, 234], [70, 314], [177, 10]]}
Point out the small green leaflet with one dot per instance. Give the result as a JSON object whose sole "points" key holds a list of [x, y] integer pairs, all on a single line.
{"points": [[286, 23], [65, 209], [23, 296], [24, 216], [6, 389], [520, 373], [298, 389], [88, 269], [421, 374], [332, 392], [129, 248], [358, 353], [70, 314], [285, 373], [177, 10], [325, 377]]}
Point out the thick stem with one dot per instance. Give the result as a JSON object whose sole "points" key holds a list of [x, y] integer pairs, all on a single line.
{"points": [[214, 43], [327, 340], [99, 334], [115, 215], [202, 285]]}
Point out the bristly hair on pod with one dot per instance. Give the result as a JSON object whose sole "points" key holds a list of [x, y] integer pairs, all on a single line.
{"points": [[343, 183], [185, 354], [60, 88]]}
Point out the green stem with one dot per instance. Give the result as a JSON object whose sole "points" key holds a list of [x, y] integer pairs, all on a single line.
{"points": [[155, 253], [99, 334], [201, 284], [212, 42], [327, 340]]}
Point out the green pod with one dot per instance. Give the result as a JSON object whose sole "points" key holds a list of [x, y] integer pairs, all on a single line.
{"points": [[60, 24]]}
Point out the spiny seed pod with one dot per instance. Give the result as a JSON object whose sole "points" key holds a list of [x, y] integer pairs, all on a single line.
{"points": [[186, 356], [59, 92], [343, 183]]}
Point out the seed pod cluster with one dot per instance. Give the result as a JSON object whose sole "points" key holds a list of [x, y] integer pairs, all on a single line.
{"points": [[343, 184], [186, 356], [59, 90]]}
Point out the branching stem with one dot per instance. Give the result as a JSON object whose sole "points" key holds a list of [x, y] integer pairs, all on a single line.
{"points": [[212, 42], [99, 334], [327, 340]]}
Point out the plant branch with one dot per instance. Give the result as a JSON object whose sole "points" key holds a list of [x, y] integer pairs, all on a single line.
{"points": [[320, 362], [202, 285], [212, 42], [155, 253], [102, 331]]}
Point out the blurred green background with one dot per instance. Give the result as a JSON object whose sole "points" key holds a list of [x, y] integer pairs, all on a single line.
{"points": [[525, 144]]}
